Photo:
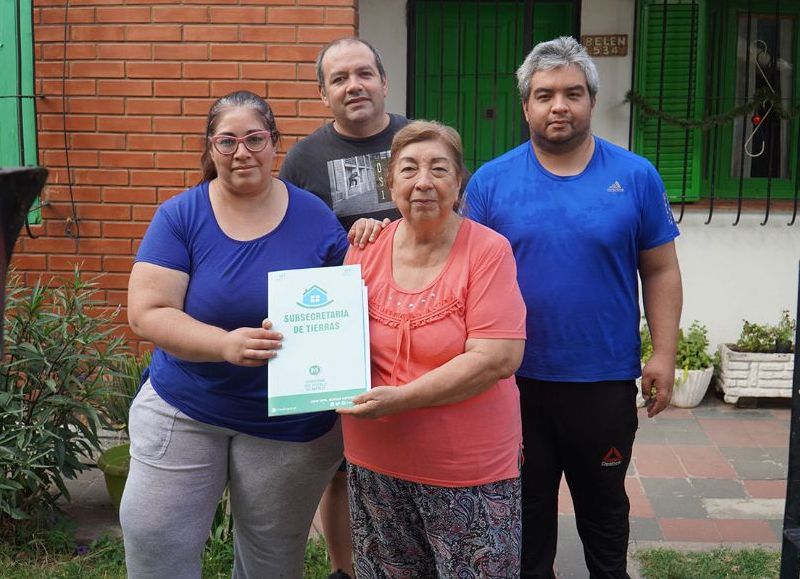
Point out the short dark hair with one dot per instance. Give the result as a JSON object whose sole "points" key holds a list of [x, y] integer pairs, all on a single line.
{"points": [[239, 99], [348, 40]]}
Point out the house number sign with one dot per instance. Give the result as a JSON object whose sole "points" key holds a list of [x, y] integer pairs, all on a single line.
{"points": [[605, 44]]}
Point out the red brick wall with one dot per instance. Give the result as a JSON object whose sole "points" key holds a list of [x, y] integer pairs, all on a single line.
{"points": [[140, 77]]}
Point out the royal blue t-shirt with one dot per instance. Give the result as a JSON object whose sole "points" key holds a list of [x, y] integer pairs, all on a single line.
{"points": [[576, 240], [228, 288]]}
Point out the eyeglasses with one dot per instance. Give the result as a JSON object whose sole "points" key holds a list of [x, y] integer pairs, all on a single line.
{"points": [[227, 145]]}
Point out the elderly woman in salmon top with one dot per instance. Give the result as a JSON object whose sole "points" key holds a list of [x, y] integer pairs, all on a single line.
{"points": [[434, 447]]}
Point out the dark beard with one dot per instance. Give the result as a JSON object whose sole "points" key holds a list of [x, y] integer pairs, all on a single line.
{"points": [[562, 147]]}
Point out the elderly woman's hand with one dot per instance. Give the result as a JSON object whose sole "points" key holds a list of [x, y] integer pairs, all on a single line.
{"points": [[379, 401], [251, 346], [366, 230]]}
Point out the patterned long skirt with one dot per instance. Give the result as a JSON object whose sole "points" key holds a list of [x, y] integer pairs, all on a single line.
{"points": [[409, 529]]}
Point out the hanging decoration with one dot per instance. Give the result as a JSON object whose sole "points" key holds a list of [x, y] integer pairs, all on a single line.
{"points": [[761, 54], [760, 96]]}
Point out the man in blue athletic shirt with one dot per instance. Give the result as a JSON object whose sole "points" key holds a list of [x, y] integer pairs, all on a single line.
{"points": [[586, 220]]}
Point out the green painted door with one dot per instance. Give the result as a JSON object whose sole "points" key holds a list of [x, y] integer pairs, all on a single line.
{"points": [[17, 110], [465, 55]]}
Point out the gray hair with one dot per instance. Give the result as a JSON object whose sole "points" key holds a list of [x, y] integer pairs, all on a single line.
{"points": [[349, 40], [562, 51]]}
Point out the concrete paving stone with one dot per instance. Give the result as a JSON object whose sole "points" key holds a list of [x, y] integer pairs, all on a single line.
{"points": [[704, 461], [671, 413], [764, 426], [746, 531], [782, 413], [758, 463], [777, 528], [746, 508], [724, 433], [89, 488], [693, 438], [570, 563], [645, 529], [565, 506], [730, 412], [673, 498], [90, 507], [650, 436], [765, 489], [718, 488], [769, 440], [640, 504], [657, 461], [689, 530], [680, 426]]}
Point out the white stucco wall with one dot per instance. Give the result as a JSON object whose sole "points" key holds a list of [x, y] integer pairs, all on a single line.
{"points": [[729, 273], [382, 23], [612, 114]]}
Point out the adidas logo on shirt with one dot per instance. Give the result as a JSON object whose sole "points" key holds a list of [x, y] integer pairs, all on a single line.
{"points": [[615, 188]]}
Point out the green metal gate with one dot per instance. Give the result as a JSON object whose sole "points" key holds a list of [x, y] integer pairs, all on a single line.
{"points": [[462, 58]]}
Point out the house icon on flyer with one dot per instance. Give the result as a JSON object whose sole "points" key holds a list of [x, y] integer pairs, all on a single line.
{"points": [[314, 297]]}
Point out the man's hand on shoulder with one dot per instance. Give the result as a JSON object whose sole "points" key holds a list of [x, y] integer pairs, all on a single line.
{"points": [[366, 230]]}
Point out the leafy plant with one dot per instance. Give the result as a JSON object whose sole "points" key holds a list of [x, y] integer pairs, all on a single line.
{"points": [[59, 354], [692, 351], [756, 338], [693, 348], [647, 342], [784, 331], [116, 403], [765, 338]]}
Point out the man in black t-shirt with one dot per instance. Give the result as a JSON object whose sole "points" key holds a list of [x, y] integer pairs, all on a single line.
{"points": [[345, 163]]}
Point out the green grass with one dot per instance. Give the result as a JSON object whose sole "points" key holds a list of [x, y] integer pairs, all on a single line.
{"points": [[53, 558], [722, 563]]}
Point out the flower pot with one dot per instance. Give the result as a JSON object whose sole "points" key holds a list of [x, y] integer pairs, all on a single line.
{"points": [[114, 463], [690, 387], [748, 374]]}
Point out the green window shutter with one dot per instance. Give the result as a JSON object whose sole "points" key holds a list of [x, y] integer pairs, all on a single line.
{"points": [[18, 145], [669, 76]]}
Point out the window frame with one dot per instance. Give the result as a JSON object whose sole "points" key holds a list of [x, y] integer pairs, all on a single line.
{"points": [[710, 170], [753, 187]]}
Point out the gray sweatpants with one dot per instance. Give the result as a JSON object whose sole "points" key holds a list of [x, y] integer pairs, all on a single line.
{"points": [[179, 469]]}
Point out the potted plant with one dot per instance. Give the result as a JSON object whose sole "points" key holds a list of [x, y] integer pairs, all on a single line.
{"points": [[647, 352], [115, 461], [59, 352], [760, 363], [784, 332], [694, 367]]}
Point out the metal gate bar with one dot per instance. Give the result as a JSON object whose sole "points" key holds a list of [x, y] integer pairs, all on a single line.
{"points": [[790, 550]]}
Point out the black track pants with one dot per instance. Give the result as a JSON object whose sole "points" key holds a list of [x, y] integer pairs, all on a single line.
{"points": [[586, 431]]}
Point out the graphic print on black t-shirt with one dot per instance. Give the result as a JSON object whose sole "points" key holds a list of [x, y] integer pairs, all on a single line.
{"points": [[358, 184]]}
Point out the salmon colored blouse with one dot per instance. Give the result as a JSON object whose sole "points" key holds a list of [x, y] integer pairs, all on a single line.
{"points": [[473, 442]]}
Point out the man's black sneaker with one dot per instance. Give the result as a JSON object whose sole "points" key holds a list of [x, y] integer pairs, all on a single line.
{"points": [[339, 574]]}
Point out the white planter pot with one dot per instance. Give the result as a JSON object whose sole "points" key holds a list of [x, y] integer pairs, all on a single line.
{"points": [[754, 375], [689, 392]]}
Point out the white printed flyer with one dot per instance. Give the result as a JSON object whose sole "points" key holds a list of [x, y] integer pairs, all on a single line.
{"points": [[324, 359]]}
